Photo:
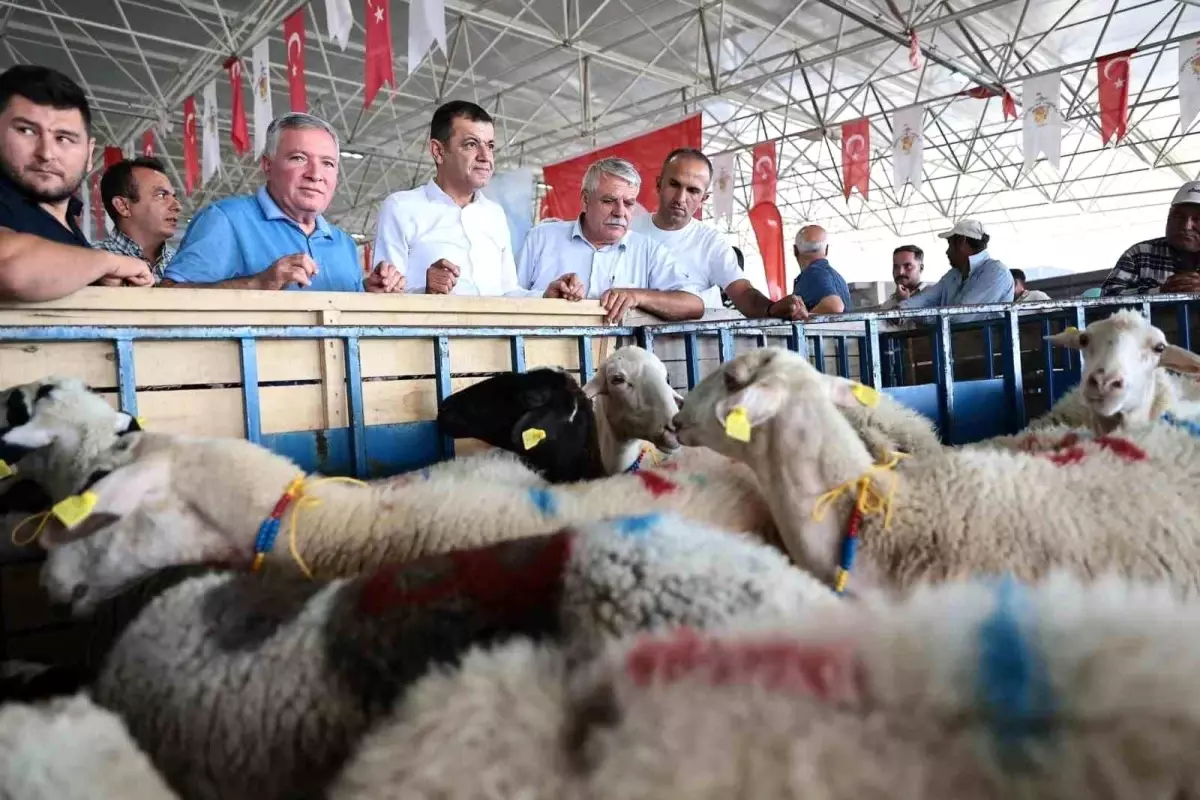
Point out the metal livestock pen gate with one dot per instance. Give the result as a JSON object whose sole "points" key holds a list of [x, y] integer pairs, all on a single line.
{"points": [[974, 380]]}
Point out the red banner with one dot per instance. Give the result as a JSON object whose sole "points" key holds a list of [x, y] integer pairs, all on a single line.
{"points": [[239, 133], [1112, 73], [765, 174], [856, 157], [112, 155], [983, 92], [377, 63], [768, 230], [293, 36], [191, 156], [646, 152], [148, 143]]}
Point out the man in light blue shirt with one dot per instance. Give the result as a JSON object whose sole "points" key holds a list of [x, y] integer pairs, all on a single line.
{"points": [[975, 277], [277, 237], [598, 256]]}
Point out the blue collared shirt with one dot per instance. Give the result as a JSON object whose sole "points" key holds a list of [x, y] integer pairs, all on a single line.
{"points": [[988, 281], [553, 249], [241, 236], [819, 280]]}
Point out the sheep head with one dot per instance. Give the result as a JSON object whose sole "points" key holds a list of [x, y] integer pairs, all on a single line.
{"points": [[56, 410], [1121, 354], [541, 415], [639, 402], [766, 397]]}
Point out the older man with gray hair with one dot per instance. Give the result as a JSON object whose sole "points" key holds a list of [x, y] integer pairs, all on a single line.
{"points": [[598, 256], [819, 286], [277, 237]]}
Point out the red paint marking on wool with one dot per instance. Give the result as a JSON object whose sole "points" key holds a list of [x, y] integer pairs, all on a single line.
{"points": [[827, 671], [656, 484], [670, 467], [1072, 455], [1122, 447]]}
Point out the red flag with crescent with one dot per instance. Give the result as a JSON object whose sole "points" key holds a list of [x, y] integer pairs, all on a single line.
{"points": [[148, 142], [293, 36], [768, 231], [239, 131], [1112, 74], [856, 157], [765, 174], [191, 155], [112, 155], [377, 63]]}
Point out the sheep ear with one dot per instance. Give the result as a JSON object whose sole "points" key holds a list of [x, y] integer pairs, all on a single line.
{"points": [[597, 384], [1068, 338], [851, 394], [126, 423], [759, 402], [1180, 360], [677, 396], [31, 435]]}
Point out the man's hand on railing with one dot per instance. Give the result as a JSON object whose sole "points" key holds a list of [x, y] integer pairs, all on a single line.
{"points": [[788, 307], [385, 279], [127, 271], [441, 277], [1184, 282], [567, 287], [297, 268], [617, 302]]}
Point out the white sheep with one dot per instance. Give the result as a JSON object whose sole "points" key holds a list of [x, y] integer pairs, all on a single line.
{"points": [[1059, 691], [1125, 376], [941, 516], [70, 749], [258, 687]]}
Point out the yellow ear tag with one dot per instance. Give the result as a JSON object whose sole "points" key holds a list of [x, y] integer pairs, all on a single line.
{"points": [[75, 509], [141, 421], [737, 424], [865, 395], [6, 471], [531, 437]]}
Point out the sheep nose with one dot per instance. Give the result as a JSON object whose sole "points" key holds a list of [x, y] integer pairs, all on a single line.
{"points": [[79, 592], [671, 426], [1106, 383]]}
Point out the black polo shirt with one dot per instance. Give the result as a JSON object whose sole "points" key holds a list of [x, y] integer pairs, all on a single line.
{"points": [[23, 214]]}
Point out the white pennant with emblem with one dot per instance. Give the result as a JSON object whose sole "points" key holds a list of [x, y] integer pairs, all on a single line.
{"points": [[1041, 99], [210, 149], [260, 57], [908, 146], [1189, 82], [722, 186]]}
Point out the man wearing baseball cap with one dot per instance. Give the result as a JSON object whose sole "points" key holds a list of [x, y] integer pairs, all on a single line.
{"points": [[1169, 263], [976, 277]]}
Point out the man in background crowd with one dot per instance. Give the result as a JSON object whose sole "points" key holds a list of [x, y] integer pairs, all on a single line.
{"points": [[908, 265], [1168, 264], [710, 261], [975, 278], [45, 153], [1023, 294], [446, 236], [144, 210], [819, 286], [277, 237], [598, 256]]}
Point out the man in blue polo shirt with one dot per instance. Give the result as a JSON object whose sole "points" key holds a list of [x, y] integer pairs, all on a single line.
{"points": [[819, 286], [277, 237], [45, 152]]}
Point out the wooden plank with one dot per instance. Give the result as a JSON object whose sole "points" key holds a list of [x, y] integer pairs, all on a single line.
{"points": [[187, 363], [218, 412], [383, 358], [93, 362], [387, 402], [333, 375]]}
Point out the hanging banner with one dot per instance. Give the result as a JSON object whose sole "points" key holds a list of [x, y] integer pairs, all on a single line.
{"points": [[426, 25], [293, 37], [908, 146], [768, 231], [856, 157], [1112, 75], [722, 186], [765, 178], [239, 132], [1041, 97], [1189, 82], [261, 59], [191, 152], [984, 92], [377, 63], [210, 149], [514, 191], [646, 152]]}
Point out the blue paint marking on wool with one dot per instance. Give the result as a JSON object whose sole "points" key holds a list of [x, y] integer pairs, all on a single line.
{"points": [[1193, 428], [637, 526], [544, 500], [1014, 686]]}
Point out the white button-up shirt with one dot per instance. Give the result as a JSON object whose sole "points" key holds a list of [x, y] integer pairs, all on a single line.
{"points": [[419, 226], [553, 249]]}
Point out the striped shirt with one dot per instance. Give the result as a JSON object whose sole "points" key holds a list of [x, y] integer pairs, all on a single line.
{"points": [[122, 244], [1143, 268]]}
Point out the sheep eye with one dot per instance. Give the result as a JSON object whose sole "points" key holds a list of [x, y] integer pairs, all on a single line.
{"points": [[1084, 339], [733, 382], [616, 380], [1160, 348]]}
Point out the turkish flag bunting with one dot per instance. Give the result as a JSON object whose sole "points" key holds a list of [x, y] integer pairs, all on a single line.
{"points": [[856, 157], [148, 142], [984, 92], [765, 174], [646, 152], [239, 132], [191, 155], [1112, 73], [97, 208], [768, 230], [914, 49], [378, 60], [293, 36], [112, 155]]}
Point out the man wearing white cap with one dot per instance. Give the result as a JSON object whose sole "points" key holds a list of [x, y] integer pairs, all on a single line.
{"points": [[976, 277], [1167, 264]]}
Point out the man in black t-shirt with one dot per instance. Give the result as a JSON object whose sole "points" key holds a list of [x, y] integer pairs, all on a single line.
{"points": [[45, 152]]}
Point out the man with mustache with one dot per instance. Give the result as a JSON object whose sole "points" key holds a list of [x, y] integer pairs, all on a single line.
{"points": [[682, 189], [598, 256], [45, 151], [446, 236], [1168, 264], [277, 237], [142, 205]]}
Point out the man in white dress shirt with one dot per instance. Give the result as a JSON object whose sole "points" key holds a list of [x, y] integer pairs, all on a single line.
{"points": [[682, 189], [445, 236], [597, 256]]}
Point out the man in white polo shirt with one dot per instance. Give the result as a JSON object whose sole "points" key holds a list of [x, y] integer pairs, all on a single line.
{"points": [[682, 189], [445, 236], [597, 256]]}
